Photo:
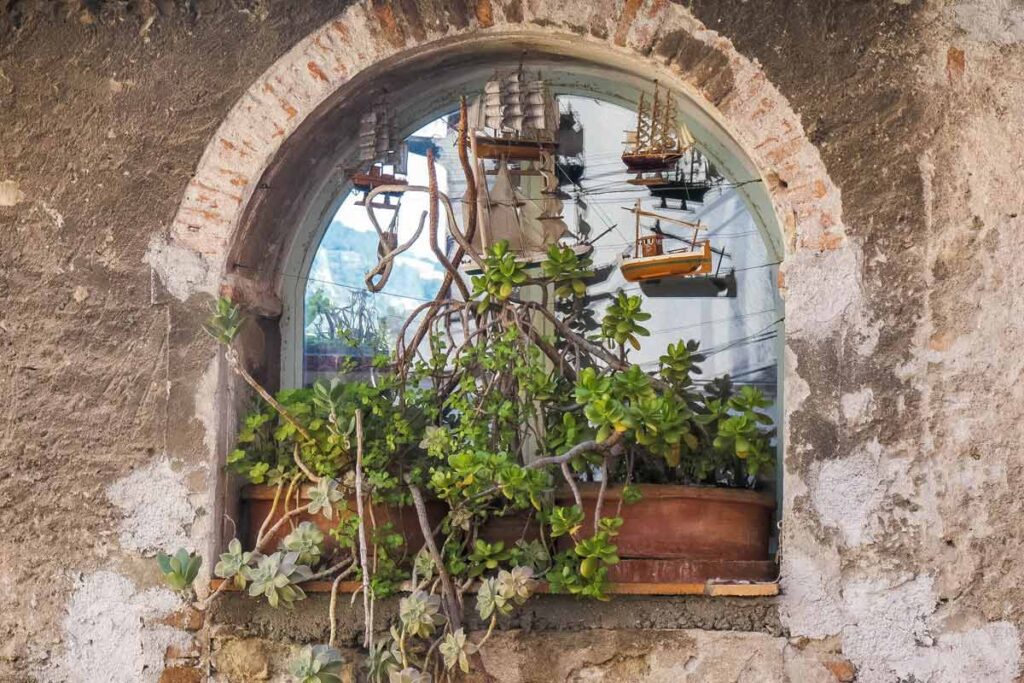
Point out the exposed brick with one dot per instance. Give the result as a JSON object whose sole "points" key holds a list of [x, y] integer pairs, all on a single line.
{"points": [[956, 64], [181, 674], [484, 13], [176, 655], [187, 619], [842, 669], [629, 11], [316, 71]]}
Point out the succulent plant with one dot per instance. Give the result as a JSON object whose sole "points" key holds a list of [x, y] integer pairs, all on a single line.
{"points": [[517, 585], [318, 664], [456, 648], [409, 675], [424, 565], [383, 659], [179, 569], [622, 320], [232, 563], [498, 595], [420, 613], [486, 556], [306, 540], [275, 577], [323, 496], [532, 554], [225, 322], [489, 600]]}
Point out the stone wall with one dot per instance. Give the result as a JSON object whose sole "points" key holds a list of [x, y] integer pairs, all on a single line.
{"points": [[902, 277]]}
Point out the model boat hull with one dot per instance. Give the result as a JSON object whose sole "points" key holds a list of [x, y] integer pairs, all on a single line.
{"points": [[486, 147], [648, 163], [679, 264]]}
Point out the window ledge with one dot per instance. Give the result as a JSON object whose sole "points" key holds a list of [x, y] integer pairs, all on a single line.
{"points": [[710, 589]]}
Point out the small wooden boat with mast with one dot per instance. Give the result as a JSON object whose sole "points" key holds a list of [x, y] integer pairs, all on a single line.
{"points": [[382, 157], [650, 261], [658, 142]]}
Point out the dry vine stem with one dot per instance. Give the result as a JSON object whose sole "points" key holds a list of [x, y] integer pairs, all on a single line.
{"points": [[448, 589], [364, 559]]}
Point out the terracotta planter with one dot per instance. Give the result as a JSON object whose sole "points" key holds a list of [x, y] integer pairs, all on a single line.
{"points": [[687, 534], [257, 501], [511, 528]]}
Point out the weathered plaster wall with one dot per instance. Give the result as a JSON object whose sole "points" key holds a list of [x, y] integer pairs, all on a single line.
{"points": [[902, 531]]}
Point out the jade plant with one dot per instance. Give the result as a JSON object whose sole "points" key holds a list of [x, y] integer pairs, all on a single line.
{"points": [[495, 405]]}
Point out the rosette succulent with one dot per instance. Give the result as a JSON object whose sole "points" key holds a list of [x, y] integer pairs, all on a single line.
{"points": [[232, 563], [323, 496], [318, 664], [420, 613], [276, 577], [179, 569], [456, 648], [409, 675], [498, 595], [516, 586], [306, 540]]}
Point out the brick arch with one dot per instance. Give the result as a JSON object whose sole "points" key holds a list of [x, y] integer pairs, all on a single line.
{"points": [[236, 231], [274, 159]]}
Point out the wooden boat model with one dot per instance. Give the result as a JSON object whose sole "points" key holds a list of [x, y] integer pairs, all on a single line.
{"points": [[504, 212], [382, 158], [514, 134], [658, 142], [569, 164], [694, 176], [650, 261], [514, 119]]}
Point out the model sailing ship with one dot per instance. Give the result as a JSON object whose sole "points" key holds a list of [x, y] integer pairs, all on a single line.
{"points": [[693, 177], [569, 162], [659, 141], [513, 134], [382, 157], [515, 119]]}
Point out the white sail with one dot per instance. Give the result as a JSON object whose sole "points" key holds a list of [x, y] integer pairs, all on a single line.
{"points": [[481, 238], [548, 173], [378, 141], [475, 114], [513, 107], [503, 206]]}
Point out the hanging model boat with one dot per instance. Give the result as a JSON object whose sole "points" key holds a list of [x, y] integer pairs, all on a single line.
{"points": [[694, 176], [569, 161], [514, 119], [506, 212], [513, 131], [659, 141], [382, 158], [650, 261]]}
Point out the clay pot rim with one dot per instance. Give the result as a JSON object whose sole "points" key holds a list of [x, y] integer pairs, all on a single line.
{"points": [[589, 491], [267, 492]]}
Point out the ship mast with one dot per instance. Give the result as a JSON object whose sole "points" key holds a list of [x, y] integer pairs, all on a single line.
{"points": [[654, 136]]}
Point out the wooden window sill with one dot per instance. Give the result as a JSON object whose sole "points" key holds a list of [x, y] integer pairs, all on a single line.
{"points": [[709, 589]]}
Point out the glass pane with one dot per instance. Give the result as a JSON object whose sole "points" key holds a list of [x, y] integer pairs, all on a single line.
{"points": [[732, 312], [337, 299]]}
